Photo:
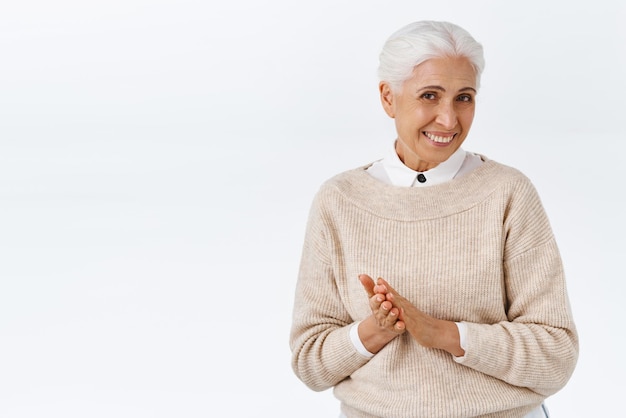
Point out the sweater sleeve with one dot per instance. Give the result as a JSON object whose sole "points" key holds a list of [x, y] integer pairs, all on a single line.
{"points": [[322, 352], [537, 346]]}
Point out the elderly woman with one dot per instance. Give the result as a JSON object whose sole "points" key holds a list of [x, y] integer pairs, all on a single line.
{"points": [[468, 314]]}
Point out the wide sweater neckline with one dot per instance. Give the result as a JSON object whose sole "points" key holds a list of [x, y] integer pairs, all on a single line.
{"points": [[422, 203]]}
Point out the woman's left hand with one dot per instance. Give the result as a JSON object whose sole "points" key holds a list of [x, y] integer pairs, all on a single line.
{"points": [[425, 329]]}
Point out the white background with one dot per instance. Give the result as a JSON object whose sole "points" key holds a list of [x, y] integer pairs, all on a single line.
{"points": [[158, 159]]}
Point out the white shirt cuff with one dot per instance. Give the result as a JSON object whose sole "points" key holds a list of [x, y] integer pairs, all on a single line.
{"points": [[462, 338], [356, 341]]}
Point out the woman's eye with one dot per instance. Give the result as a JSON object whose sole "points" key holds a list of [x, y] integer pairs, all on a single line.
{"points": [[465, 98], [429, 96]]}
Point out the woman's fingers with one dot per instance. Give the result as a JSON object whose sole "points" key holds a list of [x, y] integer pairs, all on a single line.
{"points": [[383, 309], [368, 284]]}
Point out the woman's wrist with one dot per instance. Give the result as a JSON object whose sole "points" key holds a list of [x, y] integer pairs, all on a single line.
{"points": [[374, 337], [448, 338]]}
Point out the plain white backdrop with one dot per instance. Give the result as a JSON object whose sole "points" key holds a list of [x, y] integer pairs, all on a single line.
{"points": [[158, 160]]}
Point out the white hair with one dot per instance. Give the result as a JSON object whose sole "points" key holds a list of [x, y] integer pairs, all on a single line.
{"points": [[419, 41]]}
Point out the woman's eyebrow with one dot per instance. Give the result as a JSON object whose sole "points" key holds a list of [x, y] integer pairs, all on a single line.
{"points": [[443, 90], [432, 88]]}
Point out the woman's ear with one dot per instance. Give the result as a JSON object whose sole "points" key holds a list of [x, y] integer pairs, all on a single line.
{"points": [[387, 98]]}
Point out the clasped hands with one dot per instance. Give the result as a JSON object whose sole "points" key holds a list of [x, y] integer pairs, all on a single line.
{"points": [[392, 315]]}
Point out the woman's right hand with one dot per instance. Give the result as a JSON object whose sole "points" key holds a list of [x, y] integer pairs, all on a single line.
{"points": [[384, 323]]}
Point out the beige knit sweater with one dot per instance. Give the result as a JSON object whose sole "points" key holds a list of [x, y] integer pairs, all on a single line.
{"points": [[478, 249]]}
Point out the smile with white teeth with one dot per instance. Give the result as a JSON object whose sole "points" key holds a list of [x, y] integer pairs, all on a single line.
{"points": [[440, 139]]}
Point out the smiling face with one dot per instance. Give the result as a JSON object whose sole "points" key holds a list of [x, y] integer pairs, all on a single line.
{"points": [[433, 112]]}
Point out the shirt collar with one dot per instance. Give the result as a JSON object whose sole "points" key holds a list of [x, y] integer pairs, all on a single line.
{"points": [[401, 175]]}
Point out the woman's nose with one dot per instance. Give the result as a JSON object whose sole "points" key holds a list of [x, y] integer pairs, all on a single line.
{"points": [[446, 116]]}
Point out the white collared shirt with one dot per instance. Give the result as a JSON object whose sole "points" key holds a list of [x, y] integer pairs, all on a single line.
{"points": [[391, 169]]}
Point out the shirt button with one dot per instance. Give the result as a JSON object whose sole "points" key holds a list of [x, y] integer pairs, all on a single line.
{"points": [[421, 178]]}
